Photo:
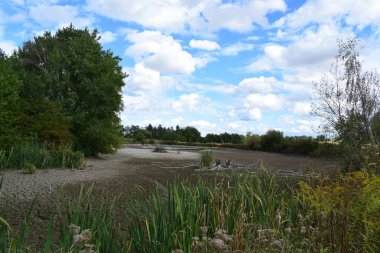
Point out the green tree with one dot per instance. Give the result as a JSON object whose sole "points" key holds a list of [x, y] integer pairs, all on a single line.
{"points": [[272, 141], [71, 69], [9, 103]]}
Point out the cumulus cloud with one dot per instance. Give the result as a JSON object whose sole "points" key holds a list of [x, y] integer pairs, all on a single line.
{"points": [[236, 16], [160, 52], [181, 16], [7, 46], [58, 15], [351, 12], [177, 121], [313, 47], [301, 108], [254, 114], [107, 37], [186, 102], [267, 101], [203, 126], [204, 44], [262, 85]]}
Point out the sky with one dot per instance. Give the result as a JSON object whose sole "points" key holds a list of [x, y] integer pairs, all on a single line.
{"points": [[219, 66]]}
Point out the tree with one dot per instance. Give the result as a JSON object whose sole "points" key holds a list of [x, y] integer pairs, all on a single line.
{"points": [[347, 98], [272, 140], [9, 102], [71, 69]]}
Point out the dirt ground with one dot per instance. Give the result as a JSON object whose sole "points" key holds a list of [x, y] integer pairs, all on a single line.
{"points": [[130, 166]]}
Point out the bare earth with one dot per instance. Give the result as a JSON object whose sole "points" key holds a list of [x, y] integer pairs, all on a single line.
{"points": [[133, 165]]}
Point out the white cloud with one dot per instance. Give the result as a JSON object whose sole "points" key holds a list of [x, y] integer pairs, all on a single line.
{"points": [[254, 114], [235, 49], [351, 12], [58, 15], [153, 122], [160, 52], [107, 37], [301, 108], [260, 84], [195, 16], [177, 121], [236, 16], [8, 46], [313, 47], [267, 101], [166, 15], [203, 126], [186, 102], [204, 44]]}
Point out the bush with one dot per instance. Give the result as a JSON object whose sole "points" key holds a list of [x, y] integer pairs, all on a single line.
{"points": [[272, 141], [159, 148], [29, 168]]}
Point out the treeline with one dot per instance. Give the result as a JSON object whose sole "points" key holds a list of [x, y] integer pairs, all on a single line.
{"points": [[186, 134], [271, 141], [61, 91]]}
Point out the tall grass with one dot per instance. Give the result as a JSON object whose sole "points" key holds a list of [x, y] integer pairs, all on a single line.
{"points": [[241, 212], [36, 154], [206, 158], [239, 204]]}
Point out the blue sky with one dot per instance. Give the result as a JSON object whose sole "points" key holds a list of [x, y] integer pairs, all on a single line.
{"points": [[234, 66]]}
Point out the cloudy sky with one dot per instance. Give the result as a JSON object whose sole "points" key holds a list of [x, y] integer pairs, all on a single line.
{"points": [[217, 65]]}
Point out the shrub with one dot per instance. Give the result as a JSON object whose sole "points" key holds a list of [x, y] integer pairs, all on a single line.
{"points": [[29, 168], [159, 148]]}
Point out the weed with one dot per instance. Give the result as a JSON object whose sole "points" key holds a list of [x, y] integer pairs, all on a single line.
{"points": [[159, 148], [29, 168]]}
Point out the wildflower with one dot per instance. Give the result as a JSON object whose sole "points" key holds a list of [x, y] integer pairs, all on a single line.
{"points": [[303, 230], [276, 244], [88, 248], [288, 230], [221, 234], [82, 238], [74, 229], [204, 230], [219, 244]]}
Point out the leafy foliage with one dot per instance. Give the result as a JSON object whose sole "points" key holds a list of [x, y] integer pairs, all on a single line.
{"points": [[77, 86], [347, 208], [9, 103]]}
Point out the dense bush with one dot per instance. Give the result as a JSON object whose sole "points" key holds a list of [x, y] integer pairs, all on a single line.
{"points": [[9, 103], [63, 88]]}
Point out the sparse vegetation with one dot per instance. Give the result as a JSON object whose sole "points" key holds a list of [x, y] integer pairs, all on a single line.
{"points": [[233, 212], [207, 158], [159, 148]]}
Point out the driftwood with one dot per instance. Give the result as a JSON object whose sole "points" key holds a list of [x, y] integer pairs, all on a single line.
{"points": [[229, 165]]}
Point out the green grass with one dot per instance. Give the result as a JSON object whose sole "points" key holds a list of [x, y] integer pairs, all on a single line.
{"points": [[207, 158], [33, 154]]}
